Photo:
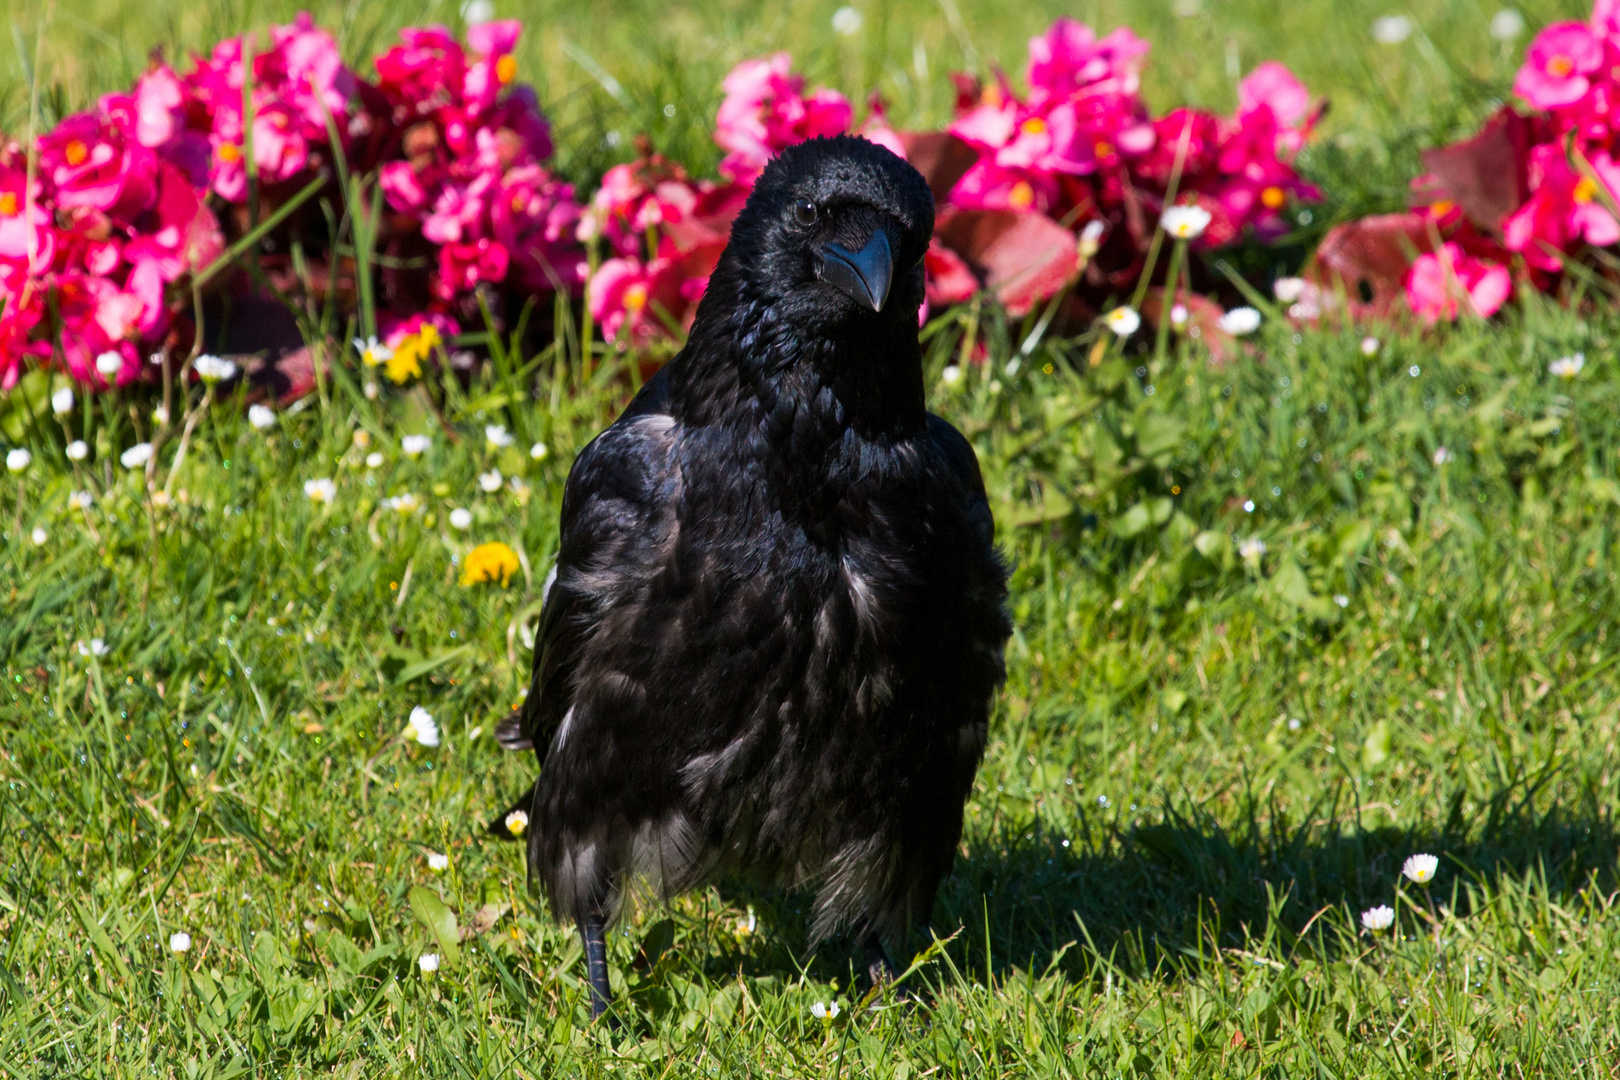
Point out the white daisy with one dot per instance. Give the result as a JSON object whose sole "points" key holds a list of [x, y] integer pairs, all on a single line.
{"points": [[1420, 868], [461, 518], [78, 450], [847, 21], [1123, 321], [497, 435], [1240, 321], [1185, 222], [415, 446], [1378, 918], [1567, 367], [323, 490], [422, 727], [516, 822], [39, 536], [179, 942], [437, 862], [213, 369], [109, 364], [490, 481], [136, 456], [538, 451], [428, 962], [19, 459], [1252, 548], [1091, 238], [62, 401], [261, 417], [374, 460]]}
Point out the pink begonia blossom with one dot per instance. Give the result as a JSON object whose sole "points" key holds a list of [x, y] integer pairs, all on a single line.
{"points": [[492, 43], [298, 83], [426, 71], [1557, 65], [765, 109], [535, 217], [1068, 59], [1565, 207], [1440, 283], [89, 160], [1272, 88], [462, 266], [636, 302], [27, 240]]}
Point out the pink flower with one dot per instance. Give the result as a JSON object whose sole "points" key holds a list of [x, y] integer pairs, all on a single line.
{"points": [[638, 302], [1564, 208], [1557, 65], [535, 218], [426, 71], [495, 67], [987, 186], [1272, 88], [463, 266], [97, 317], [26, 236], [765, 109], [1068, 59], [1441, 282], [460, 210], [403, 187], [90, 161]]}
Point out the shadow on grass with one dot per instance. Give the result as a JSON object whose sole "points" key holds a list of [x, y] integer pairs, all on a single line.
{"points": [[1146, 896]]}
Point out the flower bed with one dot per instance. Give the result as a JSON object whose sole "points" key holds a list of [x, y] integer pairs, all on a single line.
{"points": [[115, 226]]}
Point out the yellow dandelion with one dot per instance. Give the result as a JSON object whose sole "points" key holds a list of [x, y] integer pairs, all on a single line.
{"points": [[489, 562], [406, 363]]}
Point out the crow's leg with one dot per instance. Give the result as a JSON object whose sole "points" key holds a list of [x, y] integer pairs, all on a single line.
{"points": [[879, 968], [593, 932]]}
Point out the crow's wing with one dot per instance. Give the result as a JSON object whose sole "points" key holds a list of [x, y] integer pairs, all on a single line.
{"points": [[618, 490], [955, 453]]}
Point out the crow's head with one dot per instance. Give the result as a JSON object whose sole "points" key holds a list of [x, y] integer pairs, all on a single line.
{"points": [[833, 237]]}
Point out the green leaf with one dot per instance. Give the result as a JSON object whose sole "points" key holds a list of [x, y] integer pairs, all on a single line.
{"points": [[440, 921], [432, 663]]}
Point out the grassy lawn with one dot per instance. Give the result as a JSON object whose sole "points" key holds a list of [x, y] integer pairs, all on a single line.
{"points": [[1209, 759]]}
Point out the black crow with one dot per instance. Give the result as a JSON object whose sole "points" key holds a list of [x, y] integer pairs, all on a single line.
{"points": [[776, 621]]}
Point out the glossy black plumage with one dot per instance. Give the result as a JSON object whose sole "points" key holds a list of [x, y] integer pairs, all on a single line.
{"points": [[777, 619]]}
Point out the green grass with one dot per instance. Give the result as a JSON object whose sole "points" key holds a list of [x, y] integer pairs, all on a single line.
{"points": [[1162, 872]]}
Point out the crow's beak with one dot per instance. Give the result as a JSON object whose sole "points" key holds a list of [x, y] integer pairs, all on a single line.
{"points": [[863, 274]]}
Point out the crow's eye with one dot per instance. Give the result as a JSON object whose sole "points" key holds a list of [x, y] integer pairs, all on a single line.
{"points": [[804, 212]]}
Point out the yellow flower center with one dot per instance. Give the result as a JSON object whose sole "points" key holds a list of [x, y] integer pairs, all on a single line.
{"points": [[991, 96], [1585, 190], [1442, 208], [1021, 196], [1103, 148], [1034, 126], [635, 297], [76, 152], [1561, 66], [8, 204], [506, 69], [230, 153], [494, 563], [428, 335], [1274, 198]]}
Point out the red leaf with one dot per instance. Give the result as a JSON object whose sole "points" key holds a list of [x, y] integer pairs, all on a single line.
{"points": [[1367, 261], [941, 157], [1486, 175], [950, 280], [1022, 256]]}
